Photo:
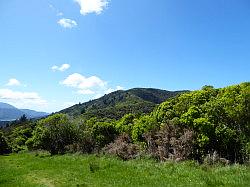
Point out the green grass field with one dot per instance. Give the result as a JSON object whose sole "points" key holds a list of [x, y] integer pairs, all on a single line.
{"points": [[32, 169]]}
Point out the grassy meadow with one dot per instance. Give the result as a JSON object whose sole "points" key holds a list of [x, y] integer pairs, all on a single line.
{"points": [[41, 169]]}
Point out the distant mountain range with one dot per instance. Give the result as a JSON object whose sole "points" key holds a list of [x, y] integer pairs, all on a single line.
{"points": [[9, 113], [116, 104]]}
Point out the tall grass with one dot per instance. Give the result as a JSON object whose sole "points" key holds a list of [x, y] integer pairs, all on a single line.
{"points": [[41, 169]]}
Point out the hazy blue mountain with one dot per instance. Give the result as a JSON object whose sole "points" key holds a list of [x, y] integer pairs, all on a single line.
{"points": [[33, 113], [7, 106], [9, 112]]}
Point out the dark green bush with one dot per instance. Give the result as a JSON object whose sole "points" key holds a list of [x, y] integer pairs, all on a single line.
{"points": [[4, 146]]}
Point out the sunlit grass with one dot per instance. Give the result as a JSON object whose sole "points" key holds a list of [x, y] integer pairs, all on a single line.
{"points": [[32, 169]]}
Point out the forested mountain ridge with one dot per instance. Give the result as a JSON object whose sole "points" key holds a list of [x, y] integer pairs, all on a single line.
{"points": [[118, 103]]}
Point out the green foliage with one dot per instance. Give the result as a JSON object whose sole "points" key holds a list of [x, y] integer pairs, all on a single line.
{"points": [[126, 123], [18, 137], [53, 134], [4, 147], [220, 117], [104, 133], [142, 125]]}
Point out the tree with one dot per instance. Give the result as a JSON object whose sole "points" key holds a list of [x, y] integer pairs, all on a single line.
{"points": [[23, 119], [53, 134]]}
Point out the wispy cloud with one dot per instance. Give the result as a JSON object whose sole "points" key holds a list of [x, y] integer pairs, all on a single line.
{"points": [[67, 23], [13, 82], [63, 67], [92, 6], [54, 9], [92, 85]]}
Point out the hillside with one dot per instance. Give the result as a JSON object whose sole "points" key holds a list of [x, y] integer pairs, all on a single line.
{"points": [[211, 126], [118, 103], [9, 112]]}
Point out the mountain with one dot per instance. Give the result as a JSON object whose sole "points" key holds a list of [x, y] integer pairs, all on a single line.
{"points": [[9, 112], [34, 114], [118, 103], [6, 106]]}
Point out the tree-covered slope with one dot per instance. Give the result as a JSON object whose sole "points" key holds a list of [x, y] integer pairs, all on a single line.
{"points": [[118, 103]]}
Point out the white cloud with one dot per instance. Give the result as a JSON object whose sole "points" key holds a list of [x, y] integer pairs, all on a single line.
{"points": [[67, 23], [81, 82], [63, 67], [22, 99], [9, 94], [92, 6], [89, 85], [13, 82]]}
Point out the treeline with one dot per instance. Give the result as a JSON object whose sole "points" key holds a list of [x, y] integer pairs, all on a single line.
{"points": [[210, 125]]}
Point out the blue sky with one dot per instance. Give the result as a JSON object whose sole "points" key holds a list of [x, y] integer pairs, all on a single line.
{"points": [[54, 53]]}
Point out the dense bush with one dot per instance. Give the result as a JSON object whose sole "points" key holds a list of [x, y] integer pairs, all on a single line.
{"points": [[219, 117], [59, 134], [143, 125], [53, 134], [4, 147], [104, 133], [126, 123], [18, 137]]}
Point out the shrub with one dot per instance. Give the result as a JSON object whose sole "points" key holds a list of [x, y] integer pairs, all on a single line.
{"points": [[84, 144], [171, 142], [125, 124], [215, 159], [4, 147], [103, 133], [53, 134], [123, 148], [142, 125]]}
